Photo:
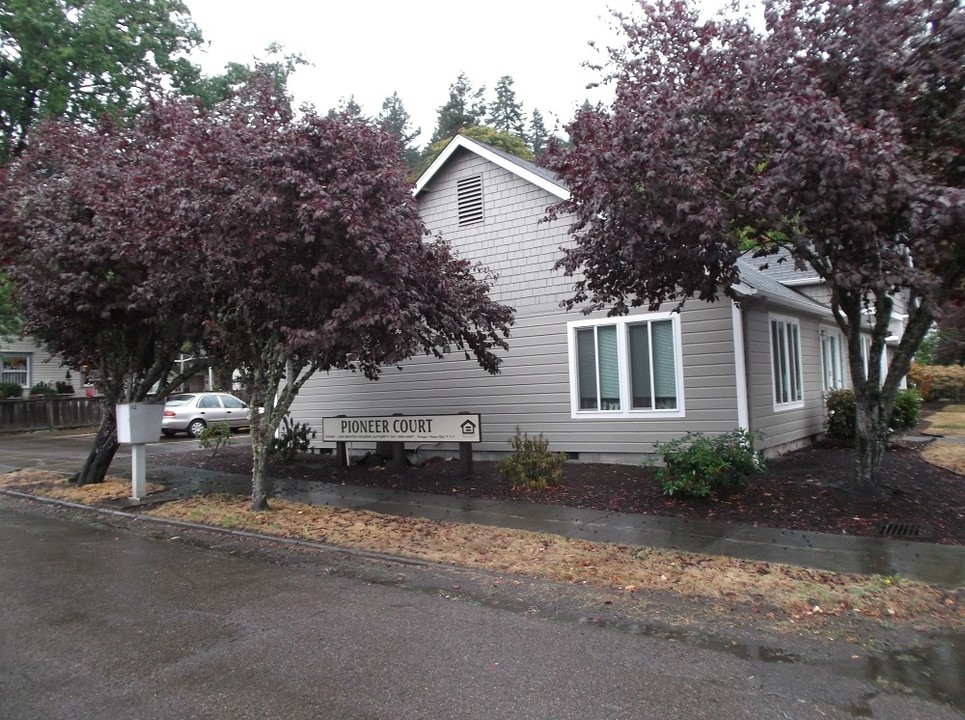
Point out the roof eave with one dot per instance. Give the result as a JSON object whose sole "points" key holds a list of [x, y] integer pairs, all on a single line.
{"points": [[461, 141]]}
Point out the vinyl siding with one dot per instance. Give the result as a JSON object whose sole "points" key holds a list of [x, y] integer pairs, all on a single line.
{"points": [[787, 426], [532, 390], [511, 239], [43, 366]]}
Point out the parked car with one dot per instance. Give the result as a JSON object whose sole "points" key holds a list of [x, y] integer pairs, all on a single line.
{"points": [[193, 412]]}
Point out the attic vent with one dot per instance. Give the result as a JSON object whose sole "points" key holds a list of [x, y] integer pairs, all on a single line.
{"points": [[469, 192]]}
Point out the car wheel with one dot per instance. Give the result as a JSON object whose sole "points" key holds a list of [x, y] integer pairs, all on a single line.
{"points": [[196, 427]]}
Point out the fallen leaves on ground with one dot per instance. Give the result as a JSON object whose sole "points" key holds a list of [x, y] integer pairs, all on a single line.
{"points": [[797, 592], [54, 485]]}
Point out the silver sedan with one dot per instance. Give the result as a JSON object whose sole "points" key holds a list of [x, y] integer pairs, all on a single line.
{"points": [[193, 412]]}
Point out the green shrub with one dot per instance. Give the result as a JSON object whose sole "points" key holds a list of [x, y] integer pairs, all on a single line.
{"points": [[841, 413], [42, 388], [696, 465], [9, 391], [904, 416], [532, 466], [63, 388], [215, 436], [291, 439]]}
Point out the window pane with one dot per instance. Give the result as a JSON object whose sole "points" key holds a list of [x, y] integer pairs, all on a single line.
{"points": [[664, 368], [606, 337], [639, 340], [795, 361], [586, 359], [777, 348]]}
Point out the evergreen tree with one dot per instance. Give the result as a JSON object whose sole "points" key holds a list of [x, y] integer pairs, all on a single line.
{"points": [[465, 108], [396, 120], [538, 134], [347, 108], [506, 113]]}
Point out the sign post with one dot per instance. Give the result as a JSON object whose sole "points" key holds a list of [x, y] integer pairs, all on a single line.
{"points": [[464, 429]]}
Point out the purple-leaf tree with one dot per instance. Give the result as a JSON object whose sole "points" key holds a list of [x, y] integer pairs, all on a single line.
{"points": [[836, 133], [100, 240], [317, 260]]}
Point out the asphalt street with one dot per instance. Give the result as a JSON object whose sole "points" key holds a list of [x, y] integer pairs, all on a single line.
{"points": [[64, 451], [99, 621]]}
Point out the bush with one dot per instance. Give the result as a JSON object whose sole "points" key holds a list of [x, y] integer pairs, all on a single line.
{"points": [[291, 439], [532, 466], [696, 465], [215, 436], [42, 388], [63, 388], [841, 413], [9, 391], [904, 416], [939, 382], [839, 409]]}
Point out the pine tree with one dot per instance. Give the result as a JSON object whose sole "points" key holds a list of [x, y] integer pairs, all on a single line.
{"points": [[348, 108], [538, 134], [465, 108], [395, 119], [506, 113]]}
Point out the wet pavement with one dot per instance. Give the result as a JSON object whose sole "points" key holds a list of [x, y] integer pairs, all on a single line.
{"points": [[112, 623], [942, 565], [108, 621]]}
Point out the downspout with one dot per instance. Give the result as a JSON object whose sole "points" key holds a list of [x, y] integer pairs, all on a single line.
{"points": [[740, 366]]}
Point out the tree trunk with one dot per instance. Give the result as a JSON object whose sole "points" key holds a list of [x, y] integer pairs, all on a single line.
{"points": [[102, 452], [870, 440], [260, 482]]}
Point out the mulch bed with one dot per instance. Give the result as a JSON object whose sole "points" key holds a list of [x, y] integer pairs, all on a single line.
{"points": [[804, 490]]}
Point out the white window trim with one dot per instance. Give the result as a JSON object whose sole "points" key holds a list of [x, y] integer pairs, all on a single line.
{"points": [[621, 324], [791, 404], [824, 333], [29, 369]]}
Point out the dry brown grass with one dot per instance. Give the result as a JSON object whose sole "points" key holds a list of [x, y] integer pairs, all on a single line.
{"points": [[775, 588], [947, 422], [950, 456], [55, 485]]}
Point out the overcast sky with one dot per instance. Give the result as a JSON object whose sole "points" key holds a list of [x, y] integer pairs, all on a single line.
{"points": [[372, 48]]}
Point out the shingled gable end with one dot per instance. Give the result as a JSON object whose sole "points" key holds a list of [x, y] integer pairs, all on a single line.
{"points": [[598, 388]]}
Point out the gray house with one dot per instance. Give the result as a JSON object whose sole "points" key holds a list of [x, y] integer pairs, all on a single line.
{"points": [[599, 388]]}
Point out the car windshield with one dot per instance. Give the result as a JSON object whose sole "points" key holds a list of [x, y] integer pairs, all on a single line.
{"points": [[176, 400]]}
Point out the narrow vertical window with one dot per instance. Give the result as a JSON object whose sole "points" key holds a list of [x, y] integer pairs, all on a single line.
{"points": [[786, 362]]}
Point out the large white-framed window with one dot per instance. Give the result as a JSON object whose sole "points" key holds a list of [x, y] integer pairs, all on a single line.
{"points": [[788, 379], [626, 367], [833, 365], [15, 368]]}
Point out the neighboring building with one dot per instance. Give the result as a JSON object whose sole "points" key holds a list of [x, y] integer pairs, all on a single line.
{"points": [[26, 363], [598, 388]]}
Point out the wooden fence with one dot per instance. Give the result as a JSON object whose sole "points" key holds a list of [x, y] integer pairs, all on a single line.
{"points": [[50, 413]]}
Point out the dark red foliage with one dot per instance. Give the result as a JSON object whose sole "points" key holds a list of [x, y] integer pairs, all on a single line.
{"points": [[835, 133]]}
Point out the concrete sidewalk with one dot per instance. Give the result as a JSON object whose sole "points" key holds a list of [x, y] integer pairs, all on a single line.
{"points": [[942, 565]]}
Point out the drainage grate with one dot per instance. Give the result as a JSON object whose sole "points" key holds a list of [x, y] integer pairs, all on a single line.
{"points": [[902, 530]]}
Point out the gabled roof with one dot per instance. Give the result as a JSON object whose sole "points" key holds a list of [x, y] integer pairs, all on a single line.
{"points": [[757, 283], [768, 283], [531, 172]]}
